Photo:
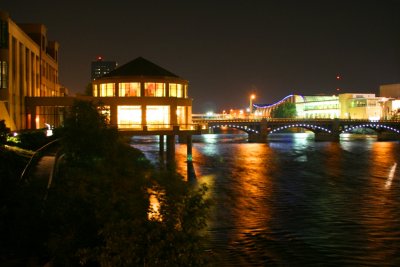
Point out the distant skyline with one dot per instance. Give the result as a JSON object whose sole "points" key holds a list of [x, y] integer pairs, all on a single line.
{"points": [[228, 50]]}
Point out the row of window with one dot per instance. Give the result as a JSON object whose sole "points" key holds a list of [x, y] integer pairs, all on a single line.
{"points": [[133, 89], [157, 116]]}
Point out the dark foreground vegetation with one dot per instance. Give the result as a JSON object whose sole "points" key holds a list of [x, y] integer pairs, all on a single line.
{"points": [[98, 210]]}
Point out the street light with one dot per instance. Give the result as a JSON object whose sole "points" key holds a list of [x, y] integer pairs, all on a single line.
{"points": [[252, 97]]}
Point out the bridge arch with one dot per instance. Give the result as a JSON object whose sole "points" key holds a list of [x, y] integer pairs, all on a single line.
{"points": [[374, 126], [310, 127], [243, 128]]}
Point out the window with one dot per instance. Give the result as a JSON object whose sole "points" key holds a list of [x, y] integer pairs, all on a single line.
{"points": [[154, 89], [95, 92], [181, 115], [107, 89], [129, 89], [176, 90], [129, 117], [157, 117], [3, 74]]}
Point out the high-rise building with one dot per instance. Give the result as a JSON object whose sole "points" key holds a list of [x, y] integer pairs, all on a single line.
{"points": [[28, 68], [101, 67]]}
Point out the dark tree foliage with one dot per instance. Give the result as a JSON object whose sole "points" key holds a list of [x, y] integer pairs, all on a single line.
{"points": [[32, 140], [89, 90], [4, 131], [97, 210], [87, 137], [285, 110]]}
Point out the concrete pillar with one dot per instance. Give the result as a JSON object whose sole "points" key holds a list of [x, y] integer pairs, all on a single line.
{"points": [[171, 152], [114, 115], [257, 137], [324, 136], [388, 136], [189, 146], [33, 117], [161, 143], [144, 117]]}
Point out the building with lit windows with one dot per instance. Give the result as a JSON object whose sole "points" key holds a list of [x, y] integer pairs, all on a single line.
{"points": [[343, 106], [28, 68], [143, 96], [101, 67]]}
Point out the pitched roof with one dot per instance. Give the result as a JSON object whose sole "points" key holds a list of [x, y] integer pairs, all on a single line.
{"points": [[140, 67]]}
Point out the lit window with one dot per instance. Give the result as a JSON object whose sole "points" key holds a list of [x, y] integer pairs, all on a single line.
{"points": [[129, 89], [154, 89], [181, 115], [95, 90], [129, 117], [107, 89], [157, 117], [175, 90], [3, 74]]}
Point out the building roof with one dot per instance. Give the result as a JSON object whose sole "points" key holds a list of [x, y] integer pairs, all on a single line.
{"points": [[140, 67]]}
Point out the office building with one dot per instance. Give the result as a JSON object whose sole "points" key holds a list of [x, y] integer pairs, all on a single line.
{"points": [[101, 67], [28, 68]]}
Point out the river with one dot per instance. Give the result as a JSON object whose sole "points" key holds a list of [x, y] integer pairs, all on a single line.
{"points": [[297, 202]]}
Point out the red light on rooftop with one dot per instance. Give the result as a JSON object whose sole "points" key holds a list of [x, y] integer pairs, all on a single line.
{"points": [[338, 77], [99, 58]]}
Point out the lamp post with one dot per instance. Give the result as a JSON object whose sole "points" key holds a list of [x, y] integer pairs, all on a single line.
{"points": [[252, 97]]}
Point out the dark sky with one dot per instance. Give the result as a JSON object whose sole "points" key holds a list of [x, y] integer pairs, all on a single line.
{"points": [[228, 49]]}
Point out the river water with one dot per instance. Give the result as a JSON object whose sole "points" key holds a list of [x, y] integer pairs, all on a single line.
{"points": [[297, 202]]}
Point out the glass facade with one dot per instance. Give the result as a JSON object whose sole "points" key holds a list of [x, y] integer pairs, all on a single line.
{"points": [[176, 90], [181, 115], [154, 89], [158, 117], [107, 89], [129, 117], [129, 89]]}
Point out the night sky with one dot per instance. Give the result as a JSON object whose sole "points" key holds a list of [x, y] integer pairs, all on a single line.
{"points": [[228, 49]]}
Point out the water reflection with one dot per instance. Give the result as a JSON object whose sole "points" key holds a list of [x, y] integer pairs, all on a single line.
{"points": [[296, 202]]}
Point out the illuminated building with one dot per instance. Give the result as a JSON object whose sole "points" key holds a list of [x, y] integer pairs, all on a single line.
{"points": [[28, 68], [101, 67], [317, 107], [343, 106], [141, 95]]}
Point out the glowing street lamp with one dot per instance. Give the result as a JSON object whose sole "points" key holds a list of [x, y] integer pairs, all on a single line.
{"points": [[252, 97]]}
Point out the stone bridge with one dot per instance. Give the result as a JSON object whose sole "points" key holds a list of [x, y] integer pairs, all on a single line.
{"points": [[323, 129]]}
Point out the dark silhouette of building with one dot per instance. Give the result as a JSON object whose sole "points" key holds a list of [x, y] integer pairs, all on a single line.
{"points": [[101, 67]]}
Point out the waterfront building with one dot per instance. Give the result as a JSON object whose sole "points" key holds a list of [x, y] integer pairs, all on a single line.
{"points": [[317, 107], [361, 106], [142, 95], [28, 68], [101, 67], [343, 106]]}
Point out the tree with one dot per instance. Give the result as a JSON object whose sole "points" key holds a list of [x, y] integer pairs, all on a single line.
{"points": [[285, 110], [89, 90], [4, 131], [87, 136], [97, 210]]}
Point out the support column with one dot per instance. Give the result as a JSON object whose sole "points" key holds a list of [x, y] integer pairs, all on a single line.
{"points": [[257, 137], [161, 143], [388, 136], [144, 117], [114, 115], [189, 149], [33, 117], [323, 136], [171, 152]]}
